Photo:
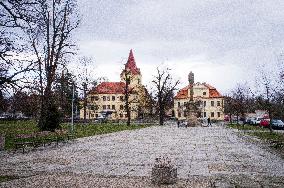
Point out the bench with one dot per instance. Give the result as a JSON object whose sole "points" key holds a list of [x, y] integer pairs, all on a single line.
{"points": [[43, 138], [63, 135], [24, 140]]}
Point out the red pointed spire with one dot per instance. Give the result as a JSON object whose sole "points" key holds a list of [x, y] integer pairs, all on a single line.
{"points": [[131, 64]]}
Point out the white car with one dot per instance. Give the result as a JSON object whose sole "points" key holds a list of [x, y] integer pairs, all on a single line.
{"points": [[256, 121]]}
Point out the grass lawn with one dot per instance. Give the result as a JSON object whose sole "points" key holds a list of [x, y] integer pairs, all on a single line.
{"points": [[244, 127], [12, 128], [275, 139], [7, 178]]}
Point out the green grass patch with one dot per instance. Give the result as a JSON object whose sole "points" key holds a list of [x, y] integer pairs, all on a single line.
{"points": [[12, 128], [82, 130], [245, 127], [269, 136], [275, 139], [7, 178]]}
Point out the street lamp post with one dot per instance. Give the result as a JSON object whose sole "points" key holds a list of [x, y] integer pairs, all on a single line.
{"points": [[72, 121]]}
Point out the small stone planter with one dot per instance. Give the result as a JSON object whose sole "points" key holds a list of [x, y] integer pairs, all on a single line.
{"points": [[164, 172], [2, 142]]}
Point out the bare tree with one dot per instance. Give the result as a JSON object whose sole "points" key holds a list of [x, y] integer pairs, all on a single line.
{"points": [[240, 100], [268, 88], [14, 17], [164, 87], [86, 80], [229, 107], [127, 92], [50, 37]]}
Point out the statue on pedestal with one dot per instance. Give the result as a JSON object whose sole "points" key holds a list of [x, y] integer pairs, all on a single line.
{"points": [[192, 108]]}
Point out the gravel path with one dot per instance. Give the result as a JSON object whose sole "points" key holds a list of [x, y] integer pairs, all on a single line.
{"points": [[205, 157]]}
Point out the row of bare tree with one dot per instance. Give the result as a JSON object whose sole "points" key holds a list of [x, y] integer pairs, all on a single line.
{"points": [[35, 46], [268, 95]]}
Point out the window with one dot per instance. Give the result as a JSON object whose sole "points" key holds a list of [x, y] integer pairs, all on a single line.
{"points": [[204, 114], [121, 98], [108, 106], [113, 98], [97, 115], [212, 103], [104, 107], [108, 98], [121, 107], [184, 114], [218, 114], [96, 98], [212, 114], [218, 103], [92, 115], [113, 107], [178, 104], [125, 115], [204, 93], [204, 103], [179, 114], [92, 98], [92, 107], [104, 98], [121, 115]]}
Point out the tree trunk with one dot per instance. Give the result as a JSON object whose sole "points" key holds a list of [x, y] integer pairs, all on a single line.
{"points": [[237, 119], [46, 100], [85, 102], [161, 114], [127, 108]]}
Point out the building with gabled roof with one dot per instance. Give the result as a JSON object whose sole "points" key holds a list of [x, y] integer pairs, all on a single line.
{"points": [[210, 100], [108, 97]]}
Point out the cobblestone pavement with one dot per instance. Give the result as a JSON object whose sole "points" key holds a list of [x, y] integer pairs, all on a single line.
{"points": [[205, 157]]}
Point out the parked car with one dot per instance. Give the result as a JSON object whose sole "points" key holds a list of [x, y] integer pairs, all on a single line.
{"points": [[248, 120], [256, 121], [227, 118], [264, 122], [277, 124]]}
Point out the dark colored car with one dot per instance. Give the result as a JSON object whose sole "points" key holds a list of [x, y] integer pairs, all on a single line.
{"points": [[277, 124]]}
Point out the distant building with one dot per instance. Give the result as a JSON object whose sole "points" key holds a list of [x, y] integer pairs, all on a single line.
{"points": [[210, 100], [107, 99]]}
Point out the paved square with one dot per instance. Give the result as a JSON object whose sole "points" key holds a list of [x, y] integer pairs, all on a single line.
{"points": [[210, 152]]}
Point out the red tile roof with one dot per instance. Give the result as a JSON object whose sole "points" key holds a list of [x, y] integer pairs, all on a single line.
{"points": [[208, 86], [109, 88], [131, 64], [213, 93], [183, 93]]}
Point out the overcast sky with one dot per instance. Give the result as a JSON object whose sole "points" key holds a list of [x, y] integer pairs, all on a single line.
{"points": [[223, 42]]}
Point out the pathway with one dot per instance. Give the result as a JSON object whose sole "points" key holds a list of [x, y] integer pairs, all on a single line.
{"points": [[205, 156]]}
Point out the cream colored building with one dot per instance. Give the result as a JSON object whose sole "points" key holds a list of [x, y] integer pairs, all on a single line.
{"points": [[211, 102], [107, 99]]}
